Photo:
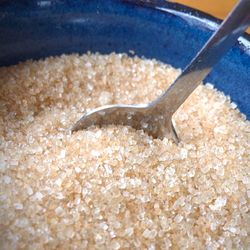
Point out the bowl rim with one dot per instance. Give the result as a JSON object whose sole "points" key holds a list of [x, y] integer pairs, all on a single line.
{"points": [[197, 17]]}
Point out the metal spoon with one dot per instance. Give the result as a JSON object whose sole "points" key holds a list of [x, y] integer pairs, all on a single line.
{"points": [[155, 118]]}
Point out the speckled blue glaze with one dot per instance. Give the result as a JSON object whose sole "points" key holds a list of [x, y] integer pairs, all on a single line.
{"points": [[168, 32]]}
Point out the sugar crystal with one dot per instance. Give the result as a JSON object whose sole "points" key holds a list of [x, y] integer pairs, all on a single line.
{"points": [[115, 187]]}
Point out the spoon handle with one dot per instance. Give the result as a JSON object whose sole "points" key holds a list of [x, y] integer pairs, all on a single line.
{"points": [[219, 43]]}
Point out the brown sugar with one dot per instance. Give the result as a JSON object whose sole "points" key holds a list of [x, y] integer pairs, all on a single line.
{"points": [[115, 187]]}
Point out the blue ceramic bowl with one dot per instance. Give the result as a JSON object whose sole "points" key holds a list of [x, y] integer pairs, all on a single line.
{"points": [[168, 32]]}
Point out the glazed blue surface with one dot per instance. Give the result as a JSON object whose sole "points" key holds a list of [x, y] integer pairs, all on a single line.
{"points": [[167, 32]]}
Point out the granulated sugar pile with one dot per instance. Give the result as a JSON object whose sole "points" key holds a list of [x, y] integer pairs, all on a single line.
{"points": [[115, 187]]}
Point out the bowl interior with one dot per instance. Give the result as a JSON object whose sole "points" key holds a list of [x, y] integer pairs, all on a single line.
{"points": [[168, 32]]}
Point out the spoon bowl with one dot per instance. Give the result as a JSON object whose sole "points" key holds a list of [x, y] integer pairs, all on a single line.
{"points": [[146, 117]]}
